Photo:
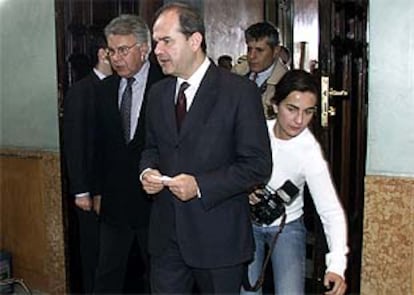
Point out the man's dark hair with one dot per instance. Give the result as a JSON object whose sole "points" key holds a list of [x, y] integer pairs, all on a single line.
{"points": [[190, 20], [96, 42], [225, 61], [261, 30]]}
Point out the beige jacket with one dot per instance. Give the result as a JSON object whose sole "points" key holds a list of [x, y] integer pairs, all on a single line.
{"points": [[279, 70]]}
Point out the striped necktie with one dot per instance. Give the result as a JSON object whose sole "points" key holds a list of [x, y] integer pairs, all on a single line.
{"points": [[125, 110]]}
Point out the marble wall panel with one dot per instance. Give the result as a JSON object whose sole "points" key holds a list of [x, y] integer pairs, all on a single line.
{"points": [[225, 23]]}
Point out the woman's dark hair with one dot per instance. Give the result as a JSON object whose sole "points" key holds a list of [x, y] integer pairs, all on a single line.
{"points": [[295, 80]]}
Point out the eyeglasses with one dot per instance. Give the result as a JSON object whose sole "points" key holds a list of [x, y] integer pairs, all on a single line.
{"points": [[122, 50]]}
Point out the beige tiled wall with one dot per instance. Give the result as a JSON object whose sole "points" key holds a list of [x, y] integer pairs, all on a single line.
{"points": [[31, 219], [388, 238]]}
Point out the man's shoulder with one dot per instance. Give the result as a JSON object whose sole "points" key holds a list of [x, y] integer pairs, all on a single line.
{"points": [[163, 81], [278, 72], [155, 73], [110, 80], [232, 88], [81, 88], [107, 90], [155, 69], [85, 81], [234, 80]]}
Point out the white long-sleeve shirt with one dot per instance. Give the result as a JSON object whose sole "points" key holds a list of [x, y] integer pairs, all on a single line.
{"points": [[300, 160]]}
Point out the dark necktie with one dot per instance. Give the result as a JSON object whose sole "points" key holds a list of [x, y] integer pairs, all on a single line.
{"points": [[181, 105], [254, 77], [126, 104]]}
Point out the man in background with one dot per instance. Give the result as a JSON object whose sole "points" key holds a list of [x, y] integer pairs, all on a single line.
{"points": [[79, 144], [225, 61], [125, 206], [264, 66]]}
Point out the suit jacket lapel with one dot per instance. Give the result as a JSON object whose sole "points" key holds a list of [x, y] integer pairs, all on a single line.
{"points": [[204, 100], [113, 102], [168, 111], [154, 75]]}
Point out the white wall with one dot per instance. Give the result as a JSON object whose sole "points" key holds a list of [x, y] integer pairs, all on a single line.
{"points": [[391, 88], [28, 83]]}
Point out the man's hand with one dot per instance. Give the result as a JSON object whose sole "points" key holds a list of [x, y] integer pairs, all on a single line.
{"points": [[152, 181], [84, 203], [253, 198], [339, 285], [97, 203], [183, 186]]}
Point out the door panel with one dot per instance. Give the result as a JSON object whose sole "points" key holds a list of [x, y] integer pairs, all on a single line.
{"points": [[343, 62]]}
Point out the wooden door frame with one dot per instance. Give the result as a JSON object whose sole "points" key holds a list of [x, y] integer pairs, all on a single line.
{"points": [[350, 174]]}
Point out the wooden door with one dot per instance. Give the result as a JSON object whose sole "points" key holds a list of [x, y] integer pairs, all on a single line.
{"points": [[341, 126]]}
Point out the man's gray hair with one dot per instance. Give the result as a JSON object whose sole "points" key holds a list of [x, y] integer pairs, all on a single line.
{"points": [[127, 24]]}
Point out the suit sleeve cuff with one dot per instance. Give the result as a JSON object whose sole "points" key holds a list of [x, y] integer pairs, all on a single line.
{"points": [[143, 172]]}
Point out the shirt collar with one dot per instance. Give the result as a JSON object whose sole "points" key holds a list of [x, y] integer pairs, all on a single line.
{"points": [[263, 75], [197, 76], [99, 74], [266, 73], [141, 74], [143, 71]]}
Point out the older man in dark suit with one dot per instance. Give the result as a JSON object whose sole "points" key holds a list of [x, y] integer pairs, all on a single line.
{"points": [[200, 163], [125, 206]]}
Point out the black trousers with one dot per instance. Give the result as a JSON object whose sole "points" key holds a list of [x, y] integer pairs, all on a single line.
{"points": [[88, 246], [171, 275], [116, 243]]}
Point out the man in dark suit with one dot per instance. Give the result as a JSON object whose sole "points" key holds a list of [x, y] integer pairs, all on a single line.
{"points": [[200, 168], [125, 207], [79, 143]]}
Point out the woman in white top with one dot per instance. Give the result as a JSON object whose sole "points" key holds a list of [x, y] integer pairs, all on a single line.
{"points": [[297, 156]]}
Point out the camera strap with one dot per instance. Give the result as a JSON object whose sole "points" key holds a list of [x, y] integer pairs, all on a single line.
{"points": [[260, 280]]}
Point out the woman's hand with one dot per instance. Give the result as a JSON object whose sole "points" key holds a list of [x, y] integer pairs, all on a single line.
{"points": [[339, 285]]}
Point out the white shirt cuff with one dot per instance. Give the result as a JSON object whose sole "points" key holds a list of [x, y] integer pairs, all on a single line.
{"points": [[82, 195]]}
